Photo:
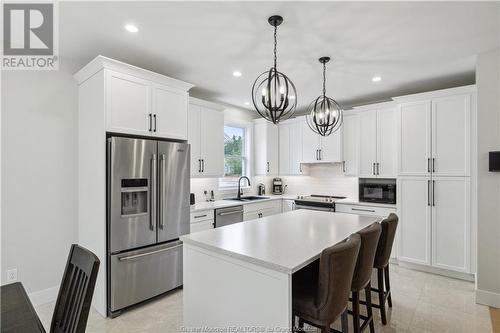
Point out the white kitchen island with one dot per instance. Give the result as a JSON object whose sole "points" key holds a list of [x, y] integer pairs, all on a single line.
{"points": [[240, 276]]}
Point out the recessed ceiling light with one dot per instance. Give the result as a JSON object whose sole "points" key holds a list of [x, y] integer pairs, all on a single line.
{"points": [[131, 28], [247, 103], [237, 74], [376, 79]]}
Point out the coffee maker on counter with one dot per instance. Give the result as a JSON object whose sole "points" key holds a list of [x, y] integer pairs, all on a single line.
{"points": [[278, 188]]}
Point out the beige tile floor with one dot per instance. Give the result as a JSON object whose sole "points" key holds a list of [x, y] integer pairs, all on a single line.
{"points": [[421, 303]]}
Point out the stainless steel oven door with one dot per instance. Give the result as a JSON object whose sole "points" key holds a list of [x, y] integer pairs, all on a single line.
{"points": [[324, 209], [139, 275]]}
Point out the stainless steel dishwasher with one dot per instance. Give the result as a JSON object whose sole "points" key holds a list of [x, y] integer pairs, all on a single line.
{"points": [[229, 215]]}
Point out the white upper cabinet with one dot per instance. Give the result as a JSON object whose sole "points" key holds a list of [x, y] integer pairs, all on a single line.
{"points": [[266, 139], [377, 140], [434, 135], [319, 149], [451, 118], [206, 136], [169, 112], [414, 138], [350, 143], [387, 143], [290, 148], [128, 104], [137, 101], [367, 143]]}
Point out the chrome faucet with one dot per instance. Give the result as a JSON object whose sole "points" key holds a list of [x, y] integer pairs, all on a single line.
{"points": [[239, 186]]}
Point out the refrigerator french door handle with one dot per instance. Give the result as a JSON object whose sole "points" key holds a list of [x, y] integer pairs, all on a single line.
{"points": [[149, 253], [153, 192], [162, 189]]}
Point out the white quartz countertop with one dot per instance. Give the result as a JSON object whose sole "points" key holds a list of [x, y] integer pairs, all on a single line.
{"points": [[284, 242], [204, 205]]}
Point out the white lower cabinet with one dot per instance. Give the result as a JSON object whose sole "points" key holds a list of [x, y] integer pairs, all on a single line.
{"points": [[261, 209], [382, 212], [435, 221], [202, 220], [287, 205]]}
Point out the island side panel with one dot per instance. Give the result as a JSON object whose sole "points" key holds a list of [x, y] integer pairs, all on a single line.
{"points": [[221, 291]]}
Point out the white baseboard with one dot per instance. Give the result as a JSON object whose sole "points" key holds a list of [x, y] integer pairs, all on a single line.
{"points": [[488, 298], [44, 296], [438, 271]]}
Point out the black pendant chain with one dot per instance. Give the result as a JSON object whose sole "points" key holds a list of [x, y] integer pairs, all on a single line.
{"points": [[275, 46], [324, 79]]}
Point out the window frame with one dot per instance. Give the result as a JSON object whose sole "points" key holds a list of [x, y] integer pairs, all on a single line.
{"points": [[225, 184]]}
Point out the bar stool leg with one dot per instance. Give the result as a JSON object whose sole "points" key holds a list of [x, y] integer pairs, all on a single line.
{"points": [[381, 298], [388, 285], [345, 324], [355, 312], [369, 312]]}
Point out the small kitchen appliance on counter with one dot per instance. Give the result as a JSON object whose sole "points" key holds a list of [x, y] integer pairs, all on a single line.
{"points": [[261, 189], [278, 188]]}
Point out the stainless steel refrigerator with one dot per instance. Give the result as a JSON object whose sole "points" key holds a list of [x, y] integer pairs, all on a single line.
{"points": [[148, 209]]}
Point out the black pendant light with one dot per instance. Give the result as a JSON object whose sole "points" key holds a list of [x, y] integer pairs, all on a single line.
{"points": [[324, 114], [273, 93]]}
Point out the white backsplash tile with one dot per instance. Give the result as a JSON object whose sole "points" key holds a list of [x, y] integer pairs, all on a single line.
{"points": [[326, 179]]}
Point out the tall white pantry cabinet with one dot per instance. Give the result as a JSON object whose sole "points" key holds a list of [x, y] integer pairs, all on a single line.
{"points": [[434, 183], [114, 97]]}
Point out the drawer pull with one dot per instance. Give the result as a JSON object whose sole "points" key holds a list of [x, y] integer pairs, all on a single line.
{"points": [[149, 253], [363, 210], [199, 216]]}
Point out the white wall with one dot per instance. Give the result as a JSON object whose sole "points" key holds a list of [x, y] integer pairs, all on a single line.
{"points": [[488, 230], [39, 175]]}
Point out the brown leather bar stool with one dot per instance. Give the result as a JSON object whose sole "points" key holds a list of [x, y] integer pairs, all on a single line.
{"points": [[381, 263], [320, 291], [362, 277]]}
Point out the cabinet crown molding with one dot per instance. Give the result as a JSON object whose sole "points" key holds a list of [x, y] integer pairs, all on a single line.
{"points": [[375, 106], [207, 104], [436, 93], [100, 62]]}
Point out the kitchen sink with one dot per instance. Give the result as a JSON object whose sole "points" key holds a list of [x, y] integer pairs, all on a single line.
{"points": [[248, 198]]}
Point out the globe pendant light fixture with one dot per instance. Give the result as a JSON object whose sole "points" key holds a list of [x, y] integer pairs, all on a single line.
{"points": [[324, 115], [273, 93]]}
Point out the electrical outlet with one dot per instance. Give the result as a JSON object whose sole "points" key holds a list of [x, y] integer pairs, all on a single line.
{"points": [[12, 275]]}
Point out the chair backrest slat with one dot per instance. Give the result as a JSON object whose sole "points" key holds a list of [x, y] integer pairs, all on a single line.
{"points": [[76, 291]]}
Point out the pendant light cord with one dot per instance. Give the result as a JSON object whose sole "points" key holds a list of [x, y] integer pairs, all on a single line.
{"points": [[324, 79], [275, 45]]}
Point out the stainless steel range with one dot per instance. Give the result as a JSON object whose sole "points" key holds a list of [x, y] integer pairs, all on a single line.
{"points": [[317, 202]]}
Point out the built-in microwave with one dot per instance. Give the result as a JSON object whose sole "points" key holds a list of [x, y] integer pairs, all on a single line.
{"points": [[377, 190]]}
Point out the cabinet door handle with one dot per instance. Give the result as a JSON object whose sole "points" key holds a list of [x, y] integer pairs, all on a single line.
{"points": [[300, 167], [378, 168], [433, 164], [320, 154], [154, 128], [199, 165], [150, 122], [202, 165], [373, 171], [317, 158], [343, 166], [363, 210], [267, 166], [200, 216], [433, 193], [428, 193], [428, 165]]}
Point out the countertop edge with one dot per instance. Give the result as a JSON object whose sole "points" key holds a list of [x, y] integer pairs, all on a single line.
{"points": [[242, 257]]}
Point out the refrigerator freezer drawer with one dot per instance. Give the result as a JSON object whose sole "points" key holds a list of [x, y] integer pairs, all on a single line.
{"points": [[139, 275]]}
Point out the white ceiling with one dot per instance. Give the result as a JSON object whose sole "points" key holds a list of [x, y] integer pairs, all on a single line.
{"points": [[413, 46]]}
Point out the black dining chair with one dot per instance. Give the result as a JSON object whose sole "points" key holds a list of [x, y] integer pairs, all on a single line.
{"points": [[75, 294]]}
